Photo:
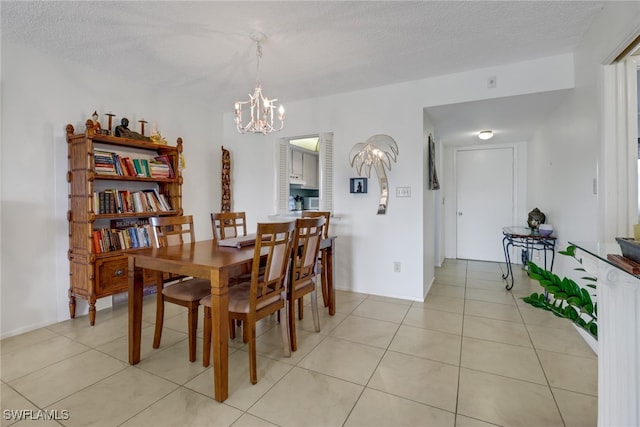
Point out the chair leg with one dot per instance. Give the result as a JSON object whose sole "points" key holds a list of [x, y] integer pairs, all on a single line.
{"points": [[245, 334], [193, 326], [300, 309], [314, 310], [323, 280], [159, 318], [291, 313], [284, 333], [232, 329], [206, 348], [250, 327]]}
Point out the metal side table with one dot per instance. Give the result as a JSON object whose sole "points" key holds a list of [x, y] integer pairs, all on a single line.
{"points": [[524, 237]]}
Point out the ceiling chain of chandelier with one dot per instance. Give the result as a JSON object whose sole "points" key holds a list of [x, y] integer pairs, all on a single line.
{"points": [[260, 108]]}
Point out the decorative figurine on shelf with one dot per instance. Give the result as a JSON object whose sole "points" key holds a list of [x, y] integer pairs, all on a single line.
{"points": [[123, 131], [535, 219], [110, 115], [96, 123], [155, 134], [142, 123]]}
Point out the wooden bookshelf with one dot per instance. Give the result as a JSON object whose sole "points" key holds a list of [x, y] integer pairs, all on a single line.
{"points": [[98, 264]]}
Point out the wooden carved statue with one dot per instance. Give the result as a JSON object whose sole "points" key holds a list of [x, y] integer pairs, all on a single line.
{"points": [[123, 131], [226, 181]]}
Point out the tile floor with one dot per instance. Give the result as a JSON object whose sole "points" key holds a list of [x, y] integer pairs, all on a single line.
{"points": [[472, 354]]}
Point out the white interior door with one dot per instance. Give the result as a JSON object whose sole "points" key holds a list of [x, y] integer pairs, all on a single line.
{"points": [[485, 183]]}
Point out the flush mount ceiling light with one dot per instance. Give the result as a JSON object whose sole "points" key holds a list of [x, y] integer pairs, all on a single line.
{"points": [[485, 134], [259, 106]]}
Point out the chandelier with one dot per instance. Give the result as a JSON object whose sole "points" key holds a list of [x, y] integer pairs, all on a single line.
{"points": [[260, 108]]}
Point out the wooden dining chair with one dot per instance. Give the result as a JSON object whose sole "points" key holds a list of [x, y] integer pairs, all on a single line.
{"points": [[263, 295], [323, 256], [228, 224], [302, 280], [186, 291]]}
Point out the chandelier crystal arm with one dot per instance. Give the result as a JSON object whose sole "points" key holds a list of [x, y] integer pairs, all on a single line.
{"points": [[261, 108]]}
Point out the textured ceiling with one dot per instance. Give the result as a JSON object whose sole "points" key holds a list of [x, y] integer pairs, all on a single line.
{"points": [[314, 48], [512, 118]]}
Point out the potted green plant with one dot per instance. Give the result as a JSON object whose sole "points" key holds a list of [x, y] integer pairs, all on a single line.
{"points": [[564, 297]]}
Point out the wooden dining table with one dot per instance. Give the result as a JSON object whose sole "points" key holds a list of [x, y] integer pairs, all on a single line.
{"points": [[206, 260]]}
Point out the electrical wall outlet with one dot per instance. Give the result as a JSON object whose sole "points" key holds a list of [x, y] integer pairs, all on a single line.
{"points": [[396, 266]]}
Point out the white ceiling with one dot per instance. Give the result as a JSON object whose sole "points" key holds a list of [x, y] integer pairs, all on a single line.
{"points": [[512, 119], [313, 48]]}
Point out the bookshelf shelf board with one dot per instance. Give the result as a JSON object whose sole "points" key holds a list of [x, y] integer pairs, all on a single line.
{"points": [[133, 143], [137, 214], [135, 178]]}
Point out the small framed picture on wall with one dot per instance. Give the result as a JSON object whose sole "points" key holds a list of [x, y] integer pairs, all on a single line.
{"points": [[358, 185]]}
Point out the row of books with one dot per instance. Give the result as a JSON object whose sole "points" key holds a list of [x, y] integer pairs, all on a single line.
{"points": [[124, 201], [111, 239], [111, 163]]}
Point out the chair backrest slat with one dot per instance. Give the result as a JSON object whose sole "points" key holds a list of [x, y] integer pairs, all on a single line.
{"points": [[325, 214], [277, 239], [172, 230], [226, 225], [306, 245]]}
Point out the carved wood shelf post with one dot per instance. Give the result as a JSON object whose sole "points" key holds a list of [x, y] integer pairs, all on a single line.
{"points": [[226, 181]]}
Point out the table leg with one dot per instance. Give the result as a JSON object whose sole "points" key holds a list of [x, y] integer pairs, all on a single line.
{"points": [[506, 242], [331, 289], [220, 331], [135, 310]]}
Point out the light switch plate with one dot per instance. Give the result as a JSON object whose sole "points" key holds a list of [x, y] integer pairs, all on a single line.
{"points": [[403, 191]]}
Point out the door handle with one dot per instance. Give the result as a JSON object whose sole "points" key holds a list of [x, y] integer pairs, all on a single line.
{"points": [[459, 213]]}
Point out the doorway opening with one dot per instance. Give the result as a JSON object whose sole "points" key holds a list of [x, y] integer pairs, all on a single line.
{"points": [[304, 185], [304, 166]]}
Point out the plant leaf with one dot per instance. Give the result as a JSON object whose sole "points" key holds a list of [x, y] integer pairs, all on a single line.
{"points": [[570, 251]]}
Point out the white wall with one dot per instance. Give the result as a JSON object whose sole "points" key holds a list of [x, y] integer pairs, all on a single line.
{"points": [[572, 149], [431, 208], [366, 247], [40, 96], [368, 244]]}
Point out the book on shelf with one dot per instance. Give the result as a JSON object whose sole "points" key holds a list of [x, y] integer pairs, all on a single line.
{"points": [[113, 201], [103, 162], [141, 171], [116, 239], [158, 169], [167, 161], [112, 163], [122, 223]]}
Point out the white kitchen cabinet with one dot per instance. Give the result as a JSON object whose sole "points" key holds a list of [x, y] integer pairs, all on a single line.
{"points": [[304, 168], [296, 164], [310, 169]]}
